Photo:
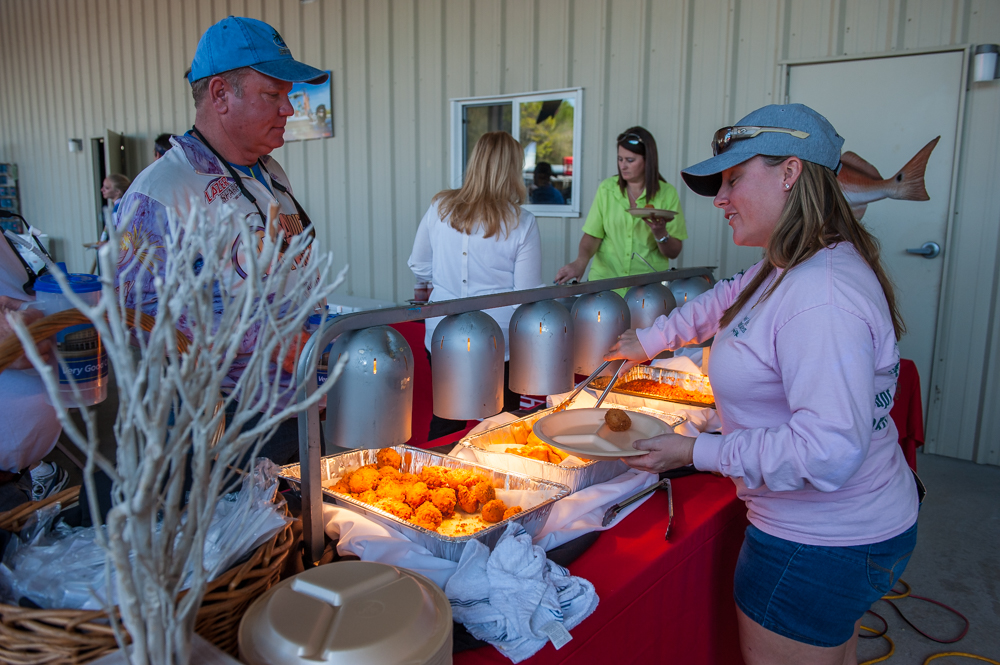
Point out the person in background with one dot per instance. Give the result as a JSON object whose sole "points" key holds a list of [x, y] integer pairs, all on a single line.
{"points": [[803, 367], [29, 427], [477, 240], [240, 78], [161, 145], [113, 189], [544, 193], [620, 244]]}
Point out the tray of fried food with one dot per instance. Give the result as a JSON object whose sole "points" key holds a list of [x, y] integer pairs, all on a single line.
{"points": [[436, 501], [661, 384]]}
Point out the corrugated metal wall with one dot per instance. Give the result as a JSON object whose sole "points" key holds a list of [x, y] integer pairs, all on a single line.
{"points": [[74, 68]]}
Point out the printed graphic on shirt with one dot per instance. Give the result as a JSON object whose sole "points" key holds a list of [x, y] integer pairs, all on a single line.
{"points": [[221, 187], [290, 226], [741, 327], [739, 274]]}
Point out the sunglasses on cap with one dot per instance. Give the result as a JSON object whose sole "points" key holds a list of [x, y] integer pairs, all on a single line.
{"points": [[727, 135], [631, 138]]}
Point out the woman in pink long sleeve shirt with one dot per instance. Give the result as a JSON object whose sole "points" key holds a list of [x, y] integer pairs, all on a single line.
{"points": [[803, 367]]}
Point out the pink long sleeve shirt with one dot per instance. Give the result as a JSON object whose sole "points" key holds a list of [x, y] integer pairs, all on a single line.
{"points": [[804, 382]]}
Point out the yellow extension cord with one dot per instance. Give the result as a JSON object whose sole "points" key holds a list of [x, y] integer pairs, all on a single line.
{"points": [[892, 646]]}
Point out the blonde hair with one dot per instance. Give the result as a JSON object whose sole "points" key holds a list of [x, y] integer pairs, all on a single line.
{"points": [[493, 190], [816, 215]]}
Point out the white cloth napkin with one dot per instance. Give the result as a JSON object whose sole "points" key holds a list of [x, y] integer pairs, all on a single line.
{"points": [[515, 598]]}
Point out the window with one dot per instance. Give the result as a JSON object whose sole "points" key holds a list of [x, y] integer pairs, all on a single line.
{"points": [[548, 126]]}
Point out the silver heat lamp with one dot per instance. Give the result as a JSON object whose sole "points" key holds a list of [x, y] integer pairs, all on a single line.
{"points": [[647, 302], [467, 352], [371, 404], [598, 320], [541, 349], [688, 289]]}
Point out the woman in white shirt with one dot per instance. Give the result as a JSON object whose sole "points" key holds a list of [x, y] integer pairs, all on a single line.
{"points": [[477, 240]]}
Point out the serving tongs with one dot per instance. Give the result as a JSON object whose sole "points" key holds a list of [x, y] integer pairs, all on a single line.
{"points": [[612, 512], [586, 382]]}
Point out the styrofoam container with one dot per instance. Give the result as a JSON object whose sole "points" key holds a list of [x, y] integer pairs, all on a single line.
{"points": [[357, 612], [79, 346]]}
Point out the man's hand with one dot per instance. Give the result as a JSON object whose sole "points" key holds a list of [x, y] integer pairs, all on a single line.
{"points": [[666, 452], [9, 306]]}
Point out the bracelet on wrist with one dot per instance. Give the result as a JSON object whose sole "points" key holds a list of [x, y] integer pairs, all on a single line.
{"points": [[665, 238]]}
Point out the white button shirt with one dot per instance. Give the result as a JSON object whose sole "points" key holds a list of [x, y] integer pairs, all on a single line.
{"points": [[461, 265]]}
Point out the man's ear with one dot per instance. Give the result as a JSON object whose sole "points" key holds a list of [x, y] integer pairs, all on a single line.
{"points": [[218, 94]]}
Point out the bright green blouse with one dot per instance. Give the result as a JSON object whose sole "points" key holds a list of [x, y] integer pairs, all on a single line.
{"points": [[622, 234]]}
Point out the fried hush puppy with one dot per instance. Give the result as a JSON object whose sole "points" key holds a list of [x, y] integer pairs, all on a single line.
{"points": [[493, 511], [510, 512], [617, 420], [434, 476], [389, 457], [416, 494], [389, 472], [484, 492], [390, 489], [467, 501], [428, 516], [368, 496], [444, 499], [395, 507], [363, 480]]}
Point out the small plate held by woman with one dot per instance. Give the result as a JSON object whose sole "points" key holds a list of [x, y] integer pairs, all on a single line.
{"points": [[586, 434], [652, 212]]}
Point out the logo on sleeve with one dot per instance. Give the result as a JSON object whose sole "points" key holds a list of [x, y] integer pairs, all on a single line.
{"points": [[223, 187], [741, 327]]}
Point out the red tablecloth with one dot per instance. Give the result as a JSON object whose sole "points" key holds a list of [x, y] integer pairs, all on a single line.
{"points": [[907, 411], [661, 601]]}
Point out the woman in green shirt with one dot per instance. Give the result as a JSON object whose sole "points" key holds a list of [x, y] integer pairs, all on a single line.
{"points": [[611, 235]]}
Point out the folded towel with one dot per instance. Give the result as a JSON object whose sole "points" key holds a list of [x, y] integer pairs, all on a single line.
{"points": [[515, 598]]}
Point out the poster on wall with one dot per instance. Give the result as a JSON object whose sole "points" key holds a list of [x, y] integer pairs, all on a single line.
{"points": [[313, 106]]}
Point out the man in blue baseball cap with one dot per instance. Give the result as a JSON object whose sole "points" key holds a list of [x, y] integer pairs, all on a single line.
{"points": [[240, 78]]}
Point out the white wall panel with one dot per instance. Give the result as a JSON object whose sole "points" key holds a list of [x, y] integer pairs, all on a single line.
{"points": [[75, 68]]}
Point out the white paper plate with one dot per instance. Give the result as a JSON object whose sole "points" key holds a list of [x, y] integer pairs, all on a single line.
{"points": [[650, 212], [583, 432]]}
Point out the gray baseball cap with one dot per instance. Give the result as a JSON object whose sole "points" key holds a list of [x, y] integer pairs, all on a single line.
{"points": [[776, 131]]}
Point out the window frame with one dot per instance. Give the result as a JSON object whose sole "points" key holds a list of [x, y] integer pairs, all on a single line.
{"points": [[458, 105]]}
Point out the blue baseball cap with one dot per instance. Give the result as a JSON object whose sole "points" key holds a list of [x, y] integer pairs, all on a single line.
{"points": [[237, 42], [775, 131]]}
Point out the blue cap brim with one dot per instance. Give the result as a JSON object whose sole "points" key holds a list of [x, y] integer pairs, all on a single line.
{"points": [[705, 178], [292, 71]]}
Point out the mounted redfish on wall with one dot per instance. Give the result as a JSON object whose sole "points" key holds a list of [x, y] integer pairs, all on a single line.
{"points": [[863, 184]]}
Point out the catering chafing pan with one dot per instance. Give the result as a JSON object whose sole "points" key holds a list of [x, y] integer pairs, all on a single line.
{"points": [[414, 459], [575, 477], [694, 383]]}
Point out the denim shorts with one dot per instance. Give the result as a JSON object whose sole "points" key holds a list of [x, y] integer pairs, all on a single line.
{"points": [[815, 594]]}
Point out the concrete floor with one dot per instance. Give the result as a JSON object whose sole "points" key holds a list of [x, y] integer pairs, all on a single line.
{"points": [[956, 562]]}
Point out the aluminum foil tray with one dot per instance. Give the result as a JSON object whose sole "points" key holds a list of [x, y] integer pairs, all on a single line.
{"points": [[695, 383], [414, 459], [575, 477]]}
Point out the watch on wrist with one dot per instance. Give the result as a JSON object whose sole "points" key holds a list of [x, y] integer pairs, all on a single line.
{"points": [[666, 237]]}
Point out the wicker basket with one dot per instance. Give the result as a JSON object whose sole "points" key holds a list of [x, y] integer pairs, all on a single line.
{"points": [[58, 637]]}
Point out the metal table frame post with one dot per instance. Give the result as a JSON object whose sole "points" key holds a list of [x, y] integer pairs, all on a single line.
{"points": [[309, 433]]}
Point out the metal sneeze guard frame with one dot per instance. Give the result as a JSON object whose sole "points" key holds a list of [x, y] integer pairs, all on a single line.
{"points": [[309, 436]]}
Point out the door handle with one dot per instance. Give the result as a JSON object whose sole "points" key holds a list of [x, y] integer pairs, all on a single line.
{"points": [[928, 250]]}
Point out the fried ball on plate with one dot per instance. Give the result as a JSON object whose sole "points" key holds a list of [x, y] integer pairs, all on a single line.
{"points": [[445, 499], [467, 501], [617, 420], [428, 516], [368, 496], [494, 510], [434, 476], [510, 512], [416, 494], [395, 507], [390, 489], [389, 457], [363, 480], [484, 492]]}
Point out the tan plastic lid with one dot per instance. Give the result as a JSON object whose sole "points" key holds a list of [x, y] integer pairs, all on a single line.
{"points": [[349, 612]]}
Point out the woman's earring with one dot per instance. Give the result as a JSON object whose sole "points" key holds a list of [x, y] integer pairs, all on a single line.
{"points": [[787, 186]]}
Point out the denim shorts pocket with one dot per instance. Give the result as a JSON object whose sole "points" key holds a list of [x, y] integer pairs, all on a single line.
{"points": [[888, 559]]}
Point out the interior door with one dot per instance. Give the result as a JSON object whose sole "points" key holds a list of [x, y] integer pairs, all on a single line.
{"points": [[887, 109]]}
